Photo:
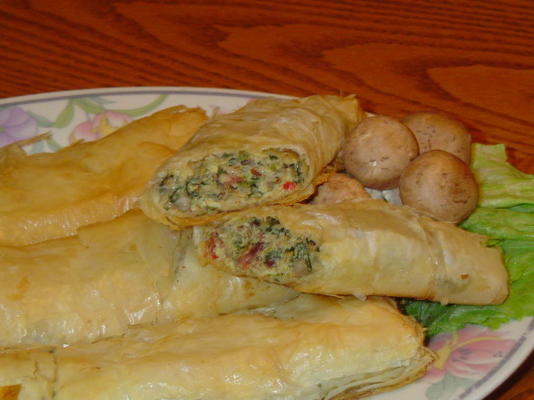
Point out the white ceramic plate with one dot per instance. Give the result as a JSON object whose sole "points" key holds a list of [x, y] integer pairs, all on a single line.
{"points": [[472, 362]]}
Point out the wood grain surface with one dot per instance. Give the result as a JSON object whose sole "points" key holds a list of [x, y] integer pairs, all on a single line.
{"points": [[472, 59]]}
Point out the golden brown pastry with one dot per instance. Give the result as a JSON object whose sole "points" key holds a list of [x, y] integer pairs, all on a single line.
{"points": [[201, 291], [359, 247], [87, 286], [50, 195], [268, 152], [109, 276], [27, 374], [309, 348]]}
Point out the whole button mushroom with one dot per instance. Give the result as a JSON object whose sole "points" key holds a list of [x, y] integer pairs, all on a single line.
{"points": [[440, 185], [436, 131], [378, 150]]}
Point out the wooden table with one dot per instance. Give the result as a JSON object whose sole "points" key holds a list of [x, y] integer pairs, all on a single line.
{"points": [[473, 59]]}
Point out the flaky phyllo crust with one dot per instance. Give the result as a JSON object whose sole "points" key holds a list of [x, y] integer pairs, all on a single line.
{"points": [[50, 195], [108, 277], [360, 247], [309, 348], [313, 128]]}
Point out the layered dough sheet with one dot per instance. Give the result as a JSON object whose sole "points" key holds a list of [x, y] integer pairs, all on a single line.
{"points": [[109, 276], [271, 151], [308, 348], [358, 247], [50, 195]]}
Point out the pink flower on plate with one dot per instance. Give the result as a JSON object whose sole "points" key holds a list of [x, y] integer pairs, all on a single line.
{"points": [[469, 353], [16, 124], [102, 124]]}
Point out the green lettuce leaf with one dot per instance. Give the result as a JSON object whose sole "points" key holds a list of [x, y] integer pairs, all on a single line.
{"points": [[501, 184], [511, 228], [499, 223], [519, 259]]}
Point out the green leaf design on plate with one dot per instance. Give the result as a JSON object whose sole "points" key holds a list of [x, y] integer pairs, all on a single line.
{"points": [[41, 121], [100, 100], [52, 144], [89, 106], [36, 147], [446, 388], [65, 117], [137, 112]]}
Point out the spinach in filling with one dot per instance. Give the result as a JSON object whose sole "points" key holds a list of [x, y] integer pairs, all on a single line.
{"points": [[230, 180], [262, 247]]}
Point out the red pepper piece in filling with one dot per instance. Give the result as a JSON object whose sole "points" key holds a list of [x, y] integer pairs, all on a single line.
{"points": [[289, 185], [211, 246], [246, 259], [255, 172], [270, 262]]}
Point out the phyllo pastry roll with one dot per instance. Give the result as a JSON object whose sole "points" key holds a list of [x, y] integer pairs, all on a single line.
{"points": [[202, 290], [309, 348], [270, 151], [359, 247], [109, 276], [50, 195]]}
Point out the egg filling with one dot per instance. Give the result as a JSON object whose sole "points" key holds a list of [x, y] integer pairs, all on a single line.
{"points": [[261, 247], [232, 180]]}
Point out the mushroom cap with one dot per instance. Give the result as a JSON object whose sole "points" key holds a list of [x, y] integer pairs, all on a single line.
{"points": [[441, 185], [378, 150], [437, 131]]}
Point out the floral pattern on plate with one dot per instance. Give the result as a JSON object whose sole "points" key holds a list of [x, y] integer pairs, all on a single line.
{"points": [[16, 124], [463, 357]]}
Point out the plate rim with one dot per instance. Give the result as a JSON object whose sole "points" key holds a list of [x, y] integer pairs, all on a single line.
{"points": [[134, 90]]}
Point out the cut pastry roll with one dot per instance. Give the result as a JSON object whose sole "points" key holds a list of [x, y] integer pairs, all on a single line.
{"points": [[50, 195], [309, 348], [202, 291], [108, 277], [268, 152], [358, 247]]}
